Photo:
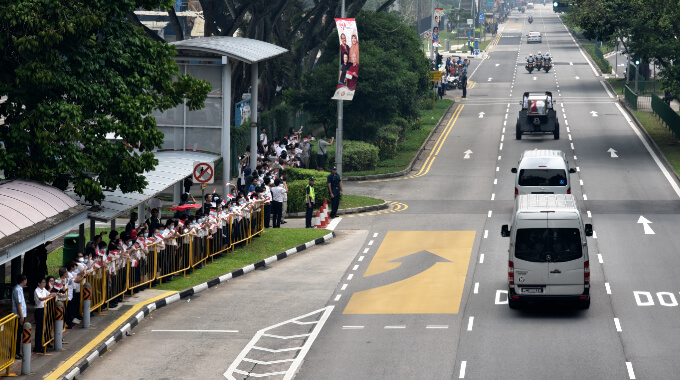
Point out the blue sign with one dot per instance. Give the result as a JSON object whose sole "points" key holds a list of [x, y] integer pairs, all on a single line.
{"points": [[481, 17], [241, 112], [476, 51]]}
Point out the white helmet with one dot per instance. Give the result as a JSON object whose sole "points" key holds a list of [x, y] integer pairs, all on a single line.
{"points": [[539, 53]]}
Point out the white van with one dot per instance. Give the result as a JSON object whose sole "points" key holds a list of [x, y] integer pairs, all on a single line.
{"points": [[548, 254], [542, 172]]}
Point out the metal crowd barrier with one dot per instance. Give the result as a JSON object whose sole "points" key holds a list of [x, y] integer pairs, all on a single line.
{"points": [[48, 322], [145, 271], [8, 342], [117, 280], [175, 257], [97, 280]]}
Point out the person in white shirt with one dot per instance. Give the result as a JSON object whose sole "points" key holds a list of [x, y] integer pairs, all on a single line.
{"points": [[277, 203], [284, 212], [40, 295], [154, 203], [263, 136]]}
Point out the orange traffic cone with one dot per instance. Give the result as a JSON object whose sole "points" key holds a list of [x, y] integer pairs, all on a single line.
{"points": [[317, 222]]}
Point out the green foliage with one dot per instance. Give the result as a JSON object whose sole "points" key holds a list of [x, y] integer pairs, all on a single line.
{"points": [[356, 155], [297, 192], [73, 72], [387, 140], [297, 174], [596, 54]]}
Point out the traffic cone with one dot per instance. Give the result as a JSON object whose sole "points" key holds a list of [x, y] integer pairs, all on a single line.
{"points": [[317, 222], [325, 214], [323, 220]]}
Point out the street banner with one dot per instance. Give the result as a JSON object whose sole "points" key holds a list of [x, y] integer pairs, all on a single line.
{"points": [[241, 112], [349, 58], [438, 14]]}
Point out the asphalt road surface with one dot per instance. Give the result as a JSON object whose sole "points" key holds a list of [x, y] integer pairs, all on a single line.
{"points": [[420, 293]]}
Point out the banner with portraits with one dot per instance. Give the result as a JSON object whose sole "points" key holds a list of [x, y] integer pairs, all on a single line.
{"points": [[349, 58], [436, 24]]}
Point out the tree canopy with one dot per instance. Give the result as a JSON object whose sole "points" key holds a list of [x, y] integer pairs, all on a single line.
{"points": [[73, 71]]}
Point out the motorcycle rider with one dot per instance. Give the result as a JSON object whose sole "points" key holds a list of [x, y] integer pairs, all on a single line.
{"points": [[530, 58], [531, 19], [539, 57], [547, 58]]}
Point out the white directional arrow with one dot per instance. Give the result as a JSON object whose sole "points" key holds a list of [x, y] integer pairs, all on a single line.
{"points": [[645, 222], [571, 63], [578, 78], [593, 113], [481, 115], [489, 80], [534, 78], [467, 154], [613, 152], [498, 64]]}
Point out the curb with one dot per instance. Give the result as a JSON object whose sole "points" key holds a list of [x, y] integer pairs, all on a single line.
{"points": [[147, 309], [344, 211], [410, 165]]}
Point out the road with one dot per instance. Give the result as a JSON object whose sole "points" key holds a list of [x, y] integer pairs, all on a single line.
{"points": [[419, 293]]}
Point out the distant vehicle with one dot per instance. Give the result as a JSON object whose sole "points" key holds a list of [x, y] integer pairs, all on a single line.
{"points": [[534, 37], [548, 255], [537, 115], [530, 5], [542, 171]]}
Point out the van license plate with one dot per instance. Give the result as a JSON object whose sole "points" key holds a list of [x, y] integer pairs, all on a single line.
{"points": [[532, 290]]}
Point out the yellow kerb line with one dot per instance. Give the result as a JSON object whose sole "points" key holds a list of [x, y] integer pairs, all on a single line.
{"points": [[444, 135], [439, 142], [59, 372]]}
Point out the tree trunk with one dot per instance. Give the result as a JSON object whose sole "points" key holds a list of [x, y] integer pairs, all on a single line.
{"points": [[175, 24]]}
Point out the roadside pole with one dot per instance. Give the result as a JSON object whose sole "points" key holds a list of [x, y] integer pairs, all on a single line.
{"points": [[338, 131]]}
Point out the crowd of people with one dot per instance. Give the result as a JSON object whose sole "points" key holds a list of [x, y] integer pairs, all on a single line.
{"points": [[454, 76]]}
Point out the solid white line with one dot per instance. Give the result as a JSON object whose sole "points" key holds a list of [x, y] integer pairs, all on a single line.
{"points": [[337, 297], [493, 195], [608, 288], [651, 152], [486, 234], [395, 327], [489, 213], [352, 327], [370, 242], [375, 234], [308, 344], [476, 288], [588, 212], [285, 337], [355, 267], [215, 331], [481, 258], [631, 374], [349, 277], [437, 326], [334, 223], [366, 250], [361, 258], [599, 258], [344, 286], [609, 93], [463, 364], [617, 324], [470, 322]]}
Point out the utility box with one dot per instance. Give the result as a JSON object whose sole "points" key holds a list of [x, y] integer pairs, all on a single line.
{"points": [[476, 43], [447, 44], [70, 248]]}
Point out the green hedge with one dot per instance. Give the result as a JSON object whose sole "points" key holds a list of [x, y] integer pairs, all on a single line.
{"points": [[296, 174], [356, 155], [297, 192]]}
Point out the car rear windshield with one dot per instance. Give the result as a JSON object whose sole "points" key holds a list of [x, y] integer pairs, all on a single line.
{"points": [[541, 245], [542, 177]]}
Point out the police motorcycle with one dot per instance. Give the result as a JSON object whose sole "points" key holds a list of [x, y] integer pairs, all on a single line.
{"points": [[531, 18], [530, 64], [454, 82], [547, 63], [539, 61]]}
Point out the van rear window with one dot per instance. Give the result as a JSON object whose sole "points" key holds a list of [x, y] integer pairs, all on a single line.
{"points": [[542, 245], [542, 177]]}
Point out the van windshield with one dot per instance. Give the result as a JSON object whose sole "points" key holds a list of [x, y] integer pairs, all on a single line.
{"points": [[542, 177], [548, 244]]}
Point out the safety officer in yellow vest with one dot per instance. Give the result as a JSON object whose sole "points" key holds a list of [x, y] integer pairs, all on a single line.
{"points": [[309, 203]]}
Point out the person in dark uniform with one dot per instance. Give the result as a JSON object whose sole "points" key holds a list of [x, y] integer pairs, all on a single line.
{"points": [[334, 183], [154, 221], [133, 222], [463, 80], [309, 203]]}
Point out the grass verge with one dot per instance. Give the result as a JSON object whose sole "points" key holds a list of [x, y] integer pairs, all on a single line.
{"points": [[408, 148], [352, 201], [663, 138], [602, 63], [273, 241]]}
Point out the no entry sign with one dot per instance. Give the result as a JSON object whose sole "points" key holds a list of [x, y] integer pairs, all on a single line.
{"points": [[204, 172]]}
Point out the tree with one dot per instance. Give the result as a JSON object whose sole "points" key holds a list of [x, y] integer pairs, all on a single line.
{"points": [[73, 71]]}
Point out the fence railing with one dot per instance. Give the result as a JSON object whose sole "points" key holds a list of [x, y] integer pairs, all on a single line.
{"points": [[664, 112], [49, 316], [631, 97], [8, 342]]}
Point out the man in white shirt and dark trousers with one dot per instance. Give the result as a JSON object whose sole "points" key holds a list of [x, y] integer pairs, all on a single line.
{"points": [[40, 295], [277, 203], [321, 154]]}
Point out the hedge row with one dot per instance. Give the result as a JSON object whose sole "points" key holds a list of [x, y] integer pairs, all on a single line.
{"points": [[356, 156], [298, 179]]}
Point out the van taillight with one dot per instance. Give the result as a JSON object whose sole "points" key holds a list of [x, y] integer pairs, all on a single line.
{"points": [[516, 191], [569, 190], [511, 273], [586, 273]]}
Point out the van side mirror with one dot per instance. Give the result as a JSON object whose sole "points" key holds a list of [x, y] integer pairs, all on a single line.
{"points": [[513, 170], [505, 232], [589, 230], [572, 170]]}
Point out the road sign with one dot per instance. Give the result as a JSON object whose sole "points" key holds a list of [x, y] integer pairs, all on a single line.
{"points": [[481, 17], [204, 172], [435, 76], [476, 51], [470, 21]]}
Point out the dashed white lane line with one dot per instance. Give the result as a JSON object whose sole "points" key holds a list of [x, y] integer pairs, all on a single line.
{"points": [[568, 131], [501, 146], [463, 364], [617, 323], [570, 139], [495, 181], [470, 322], [481, 258], [578, 169], [575, 158], [489, 213], [394, 327], [581, 182], [344, 286], [572, 146], [352, 327], [608, 288], [585, 197], [594, 235], [499, 158], [505, 123], [370, 242], [599, 258], [437, 326], [375, 234], [361, 258], [355, 267], [366, 250], [338, 297], [493, 196], [498, 168], [349, 277], [566, 122], [486, 234], [589, 215], [502, 137], [503, 130], [476, 288], [631, 374]]}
